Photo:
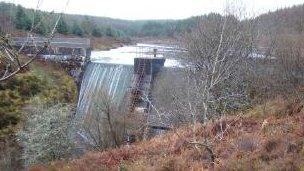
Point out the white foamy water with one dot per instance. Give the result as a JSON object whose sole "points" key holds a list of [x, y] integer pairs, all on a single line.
{"points": [[125, 55]]}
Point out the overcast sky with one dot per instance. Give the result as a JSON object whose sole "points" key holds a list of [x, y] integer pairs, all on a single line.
{"points": [[153, 9]]}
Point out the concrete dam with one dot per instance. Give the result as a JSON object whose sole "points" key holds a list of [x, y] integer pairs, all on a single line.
{"points": [[129, 87], [120, 80], [122, 89]]}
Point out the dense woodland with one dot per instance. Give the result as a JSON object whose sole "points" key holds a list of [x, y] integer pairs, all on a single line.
{"points": [[81, 25]]}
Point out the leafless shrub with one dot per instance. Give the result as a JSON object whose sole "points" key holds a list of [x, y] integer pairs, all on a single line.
{"points": [[44, 137], [280, 75], [213, 80], [218, 50], [290, 61], [106, 126], [103, 125], [172, 98]]}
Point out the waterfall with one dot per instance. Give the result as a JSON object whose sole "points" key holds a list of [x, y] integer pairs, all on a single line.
{"points": [[115, 79]]}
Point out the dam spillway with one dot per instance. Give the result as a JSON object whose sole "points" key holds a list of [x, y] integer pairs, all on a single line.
{"points": [[116, 72], [119, 82], [127, 84], [114, 79]]}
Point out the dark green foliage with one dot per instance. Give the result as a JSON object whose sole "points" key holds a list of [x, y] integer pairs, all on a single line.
{"points": [[46, 85], [65, 91], [13, 95], [62, 27], [22, 21], [152, 28], [10, 102], [77, 30], [25, 85], [87, 26], [29, 85], [40, 26], [6, 7], [110, 32], [41, 29], [97, 32], [186, 25]]}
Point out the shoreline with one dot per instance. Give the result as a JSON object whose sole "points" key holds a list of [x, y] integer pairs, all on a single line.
{"points": [[108, 43]]}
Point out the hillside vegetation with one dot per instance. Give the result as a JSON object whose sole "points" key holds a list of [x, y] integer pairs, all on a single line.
{"points": [[268, 137], [12, 17], [259, 125], [238, 103], [36, 83], [79, 25], [287, 20], [27, 100]]}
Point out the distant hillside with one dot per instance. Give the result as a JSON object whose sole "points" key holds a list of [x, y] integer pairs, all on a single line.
{"points": [[21, 18], [287, 21], [12, 17]]}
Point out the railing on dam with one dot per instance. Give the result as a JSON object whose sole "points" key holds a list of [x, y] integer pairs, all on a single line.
{"points": [[55, 42], [60, 47]]}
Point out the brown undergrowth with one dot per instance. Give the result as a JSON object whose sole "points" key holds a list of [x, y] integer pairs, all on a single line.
{"points": [[267, 137]]}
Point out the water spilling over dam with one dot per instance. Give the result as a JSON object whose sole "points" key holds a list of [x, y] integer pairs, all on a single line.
{"points": [[115, 79], [117, 82], [112, 71]]}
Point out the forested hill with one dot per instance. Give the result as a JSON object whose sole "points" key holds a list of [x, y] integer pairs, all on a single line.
{"points": [[12, 17], [283, 21], [17, 17]]}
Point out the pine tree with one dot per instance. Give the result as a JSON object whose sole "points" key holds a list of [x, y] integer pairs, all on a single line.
{"points": [[62, 27], [22, 21], [110, 32], [77, 30], [40, 26], [96, 32], [87, 26]]}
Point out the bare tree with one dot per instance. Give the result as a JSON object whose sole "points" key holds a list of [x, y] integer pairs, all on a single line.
{"points": [[103, 126], [218, 49], [212, 80], [10, 58], [282, 73]]}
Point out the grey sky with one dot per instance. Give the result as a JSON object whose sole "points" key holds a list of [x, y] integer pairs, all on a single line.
{"points": [[154, 9]]}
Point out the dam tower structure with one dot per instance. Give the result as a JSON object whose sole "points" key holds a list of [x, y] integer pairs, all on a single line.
{"points": [[146, 67]]}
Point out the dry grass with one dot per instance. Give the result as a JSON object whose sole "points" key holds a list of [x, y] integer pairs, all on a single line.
{"points": [[257, 141]]}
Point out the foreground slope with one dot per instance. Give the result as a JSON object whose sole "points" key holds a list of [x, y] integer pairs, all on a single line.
{"points": [[268, 137]]}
